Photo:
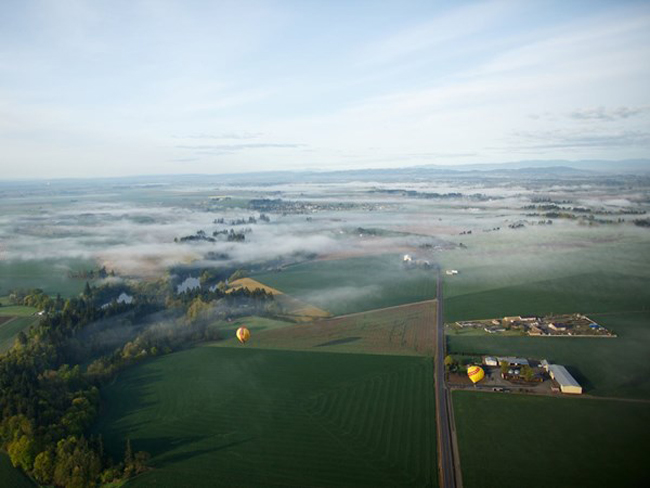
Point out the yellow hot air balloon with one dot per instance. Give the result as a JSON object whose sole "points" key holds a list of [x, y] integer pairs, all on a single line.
{"points": [[243, 334], [475, 373]]}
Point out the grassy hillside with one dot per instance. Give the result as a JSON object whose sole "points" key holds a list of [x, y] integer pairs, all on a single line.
{"points": [[353, 285], [516, 440], [242, 417], [606, 366]]}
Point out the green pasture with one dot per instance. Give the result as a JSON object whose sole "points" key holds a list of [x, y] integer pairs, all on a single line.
{"points": [[604, 366], [10, 477], [584, 293], [50, 275], [508, 440], [7, 310], [242, 417], [353, 285], [9, 330], [510, 258], [407, 330]]}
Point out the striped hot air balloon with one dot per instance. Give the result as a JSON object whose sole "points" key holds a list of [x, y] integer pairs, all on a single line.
{"points": [[243, 334], [475, 373]]}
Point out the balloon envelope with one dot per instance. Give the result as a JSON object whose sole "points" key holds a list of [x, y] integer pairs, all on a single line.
{"points": [[475, 373], [243, 334]]}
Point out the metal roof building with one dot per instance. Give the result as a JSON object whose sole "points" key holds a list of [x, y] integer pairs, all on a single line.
{"points": [[567, 383]]}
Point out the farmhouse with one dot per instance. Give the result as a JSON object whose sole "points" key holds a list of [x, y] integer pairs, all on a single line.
{"points": [[557, 326], [567, 383], [490, 361], [512, 361]]}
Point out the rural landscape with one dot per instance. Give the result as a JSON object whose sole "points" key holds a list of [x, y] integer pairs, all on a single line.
{"points": [[364, 303], [324, 244]]}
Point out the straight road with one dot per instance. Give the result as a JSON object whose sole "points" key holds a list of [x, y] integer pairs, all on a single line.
{"points": [[445, 448]]}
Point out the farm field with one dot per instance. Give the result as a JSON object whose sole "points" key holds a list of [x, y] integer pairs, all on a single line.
{"points": [[406, 329], [49, 275], [10, 328], [603, 366], [13, 319], [517, 440], [351, 285], [252, 417], [587, 293], [10, 476]]}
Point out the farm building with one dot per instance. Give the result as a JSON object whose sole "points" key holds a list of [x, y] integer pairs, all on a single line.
{"points": [[512, 361], [567, 383], [490, 361], [557, 326], [516, 318], [528, 318], [451, 272]]}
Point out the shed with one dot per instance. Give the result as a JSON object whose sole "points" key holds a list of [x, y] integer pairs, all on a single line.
{"points": [[567, 383]]}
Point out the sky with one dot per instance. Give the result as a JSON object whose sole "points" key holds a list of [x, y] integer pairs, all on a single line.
{"points": [[95, 88]]}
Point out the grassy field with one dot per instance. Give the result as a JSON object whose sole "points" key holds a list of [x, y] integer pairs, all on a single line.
{"points": [[49, 275], [13, 319], [517, 440], [584, 293], [8, 330], [407, 329], [16, 311], [604, 366], [242, 417], [10, 477], [353, 285]]}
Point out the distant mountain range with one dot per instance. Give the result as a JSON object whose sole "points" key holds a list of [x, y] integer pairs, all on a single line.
{"points": [[532, 169]]}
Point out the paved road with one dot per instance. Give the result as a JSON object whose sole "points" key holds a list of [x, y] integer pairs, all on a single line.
{"points": [[445, 448]]}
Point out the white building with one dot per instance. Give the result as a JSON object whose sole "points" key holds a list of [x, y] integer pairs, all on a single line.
{"points": [[567, 383], [490, 361], [451, 272]]}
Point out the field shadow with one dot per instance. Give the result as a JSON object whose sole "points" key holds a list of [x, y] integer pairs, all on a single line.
{"points": [[188, 454], [338, 342]]}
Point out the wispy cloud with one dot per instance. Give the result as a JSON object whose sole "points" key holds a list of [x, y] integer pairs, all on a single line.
{"points": [[232, 148], [611, 114], [243, 135], [572, 139]]}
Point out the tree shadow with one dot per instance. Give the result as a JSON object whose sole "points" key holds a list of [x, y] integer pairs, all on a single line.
{"points": [[338, 342]]}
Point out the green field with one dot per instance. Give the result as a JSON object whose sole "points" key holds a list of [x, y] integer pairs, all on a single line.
{"points": [[516, 440], [404, 330], [583, 293], [603, 366], [353, 285], [242, 417], [10, 477], [50, 275], [8, 330]]}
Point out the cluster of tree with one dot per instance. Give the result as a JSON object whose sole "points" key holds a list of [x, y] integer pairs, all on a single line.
{"points": [[91, 274], [456, 365], [249, 220], [47, 405], [232, 235], [199, 236], [642, 222]]}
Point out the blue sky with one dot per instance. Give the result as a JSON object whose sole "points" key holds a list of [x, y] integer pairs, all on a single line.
{"points": [[90, 88]]}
